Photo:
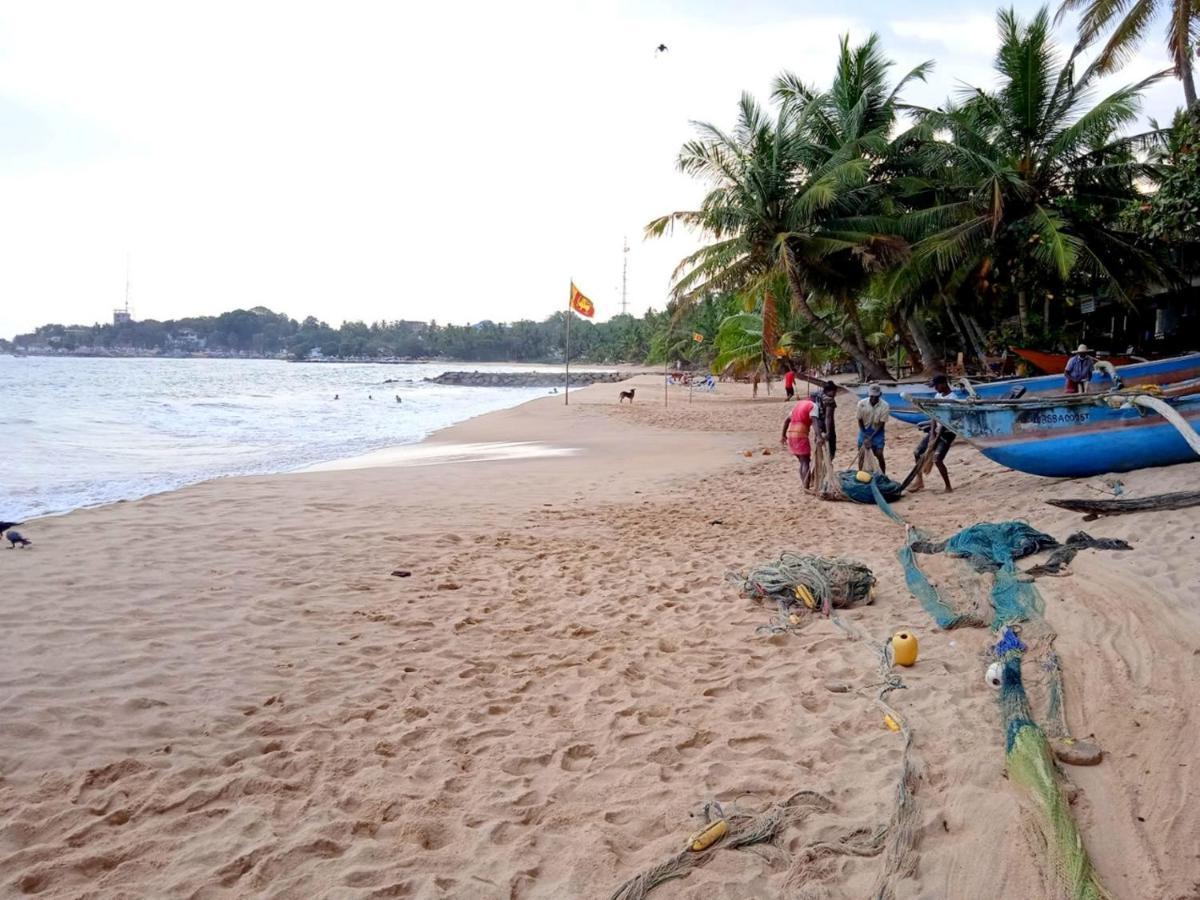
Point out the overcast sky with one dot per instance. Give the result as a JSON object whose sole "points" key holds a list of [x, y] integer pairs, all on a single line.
{"points": [[388, 160]]}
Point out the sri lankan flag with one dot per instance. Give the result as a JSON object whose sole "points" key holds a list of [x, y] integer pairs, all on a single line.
{"points": [[581, 304]]}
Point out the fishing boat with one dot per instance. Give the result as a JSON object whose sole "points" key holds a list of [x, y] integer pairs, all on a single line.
{"points": [[899, 396], [1053, 363], [1079, 435]]}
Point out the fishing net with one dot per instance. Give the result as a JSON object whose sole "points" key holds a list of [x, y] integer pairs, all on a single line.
{"points": [[992, 545], [795, 579], [865, 493], [744, 831], [927, 595], [1030, 760], [826, 481], [988, 546], [1031, 765]]}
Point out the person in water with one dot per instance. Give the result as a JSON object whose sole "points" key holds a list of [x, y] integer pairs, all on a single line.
{"points": [[942, 437], [1079, 370], [795, 435], [872, 418]]}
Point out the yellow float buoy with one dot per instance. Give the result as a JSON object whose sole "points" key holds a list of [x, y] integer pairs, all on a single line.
{"points": [[702, 840], [862, 477], [891, 723], [904, 648], [804, 595]]}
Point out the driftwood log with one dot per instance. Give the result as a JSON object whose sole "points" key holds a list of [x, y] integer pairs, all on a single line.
{"points": [[1177, 500]]}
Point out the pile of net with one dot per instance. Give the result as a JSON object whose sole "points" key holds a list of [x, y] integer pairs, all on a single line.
{"points": [[814, 581], [995, 547], [861, 492]]}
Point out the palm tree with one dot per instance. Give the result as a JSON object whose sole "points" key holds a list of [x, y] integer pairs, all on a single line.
{"points": [[792, 195], [1027, 182], [1130, 24]]}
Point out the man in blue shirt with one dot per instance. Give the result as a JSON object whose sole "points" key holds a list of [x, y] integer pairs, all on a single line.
{"points": [[1079, 370]]}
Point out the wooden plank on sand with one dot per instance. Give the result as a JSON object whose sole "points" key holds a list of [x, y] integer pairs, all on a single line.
{"points": [[1177, 500]]}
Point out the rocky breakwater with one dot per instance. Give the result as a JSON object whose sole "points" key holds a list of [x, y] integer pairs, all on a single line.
{"points": [[524, 379]]}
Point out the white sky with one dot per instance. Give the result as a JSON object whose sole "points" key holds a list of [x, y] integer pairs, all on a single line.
{"points": [[381, 160]]}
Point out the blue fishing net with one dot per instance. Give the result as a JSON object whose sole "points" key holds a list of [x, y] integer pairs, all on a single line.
{"points": [[990, 545], [927, 595], [865, 493]]}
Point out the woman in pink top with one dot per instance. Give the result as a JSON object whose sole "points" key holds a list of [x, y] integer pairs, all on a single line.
{"points": [[795, 435]]}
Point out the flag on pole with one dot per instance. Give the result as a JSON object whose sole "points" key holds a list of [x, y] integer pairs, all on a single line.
{"points": [[581, 304], [697, 337]]}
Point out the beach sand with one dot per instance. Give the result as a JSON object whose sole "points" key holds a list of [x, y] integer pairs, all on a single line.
{"points": [[225, 692]]}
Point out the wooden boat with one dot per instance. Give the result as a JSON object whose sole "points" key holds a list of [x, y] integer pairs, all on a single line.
{"points": [[1160, 371], [1079, 435], [1055, 363]]}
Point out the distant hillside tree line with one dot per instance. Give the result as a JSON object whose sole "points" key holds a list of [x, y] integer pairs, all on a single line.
{"points": [[259, 332]]}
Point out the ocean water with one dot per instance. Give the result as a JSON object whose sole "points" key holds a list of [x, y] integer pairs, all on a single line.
{"points": [[83, 432]]}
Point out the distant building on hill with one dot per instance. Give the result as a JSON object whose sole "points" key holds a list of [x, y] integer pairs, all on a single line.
{"points": [[122, 316]]}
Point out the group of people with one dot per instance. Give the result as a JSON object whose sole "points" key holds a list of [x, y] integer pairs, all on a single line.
{"points": [[812, 420]]}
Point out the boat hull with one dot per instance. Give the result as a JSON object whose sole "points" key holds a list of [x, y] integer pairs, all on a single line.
{"points": [[1069, 437], [1160, 371], [1053, 363]]}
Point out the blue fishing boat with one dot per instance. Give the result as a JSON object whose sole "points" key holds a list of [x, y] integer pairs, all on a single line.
{"points": [[1079, 435], [1159, 371]]}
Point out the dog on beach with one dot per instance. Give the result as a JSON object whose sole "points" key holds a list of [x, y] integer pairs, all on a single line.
{"points": [[626, 395]]}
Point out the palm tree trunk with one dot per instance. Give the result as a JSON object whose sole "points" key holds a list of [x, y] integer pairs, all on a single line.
{"points": [[1189, 81], [925, 351], [977, 337], [969, 344], [871, 368], [904, 336], [1023, 311]]}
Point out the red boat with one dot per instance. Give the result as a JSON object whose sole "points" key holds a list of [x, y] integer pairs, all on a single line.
{"points": [[1055, 363]]}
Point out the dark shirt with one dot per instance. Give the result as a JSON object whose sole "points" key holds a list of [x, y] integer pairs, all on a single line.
{"points": [[823, 418], [1079, 367]]}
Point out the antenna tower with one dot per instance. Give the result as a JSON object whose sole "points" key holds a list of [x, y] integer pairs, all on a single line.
{"points": [[625, 278]]}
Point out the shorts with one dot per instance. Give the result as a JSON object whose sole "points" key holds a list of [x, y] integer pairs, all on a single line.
{"points": [[874, 439], [791, 392], [945, 439]]}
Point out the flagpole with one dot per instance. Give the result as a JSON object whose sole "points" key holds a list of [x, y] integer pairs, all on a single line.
{"points": [[567, 385]]}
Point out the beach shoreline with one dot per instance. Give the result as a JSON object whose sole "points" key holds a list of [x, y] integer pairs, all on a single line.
{"points": [[519, 677]]}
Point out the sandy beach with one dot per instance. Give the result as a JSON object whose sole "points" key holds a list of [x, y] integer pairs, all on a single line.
{"points": [[226, 692]]}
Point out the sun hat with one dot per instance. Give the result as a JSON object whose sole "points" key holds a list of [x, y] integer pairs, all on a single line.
{"points": [[875, 391], [1083, 348]]}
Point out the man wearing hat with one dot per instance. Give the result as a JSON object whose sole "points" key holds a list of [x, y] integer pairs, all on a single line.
{"points": [[1079, 370], [872, 417]]}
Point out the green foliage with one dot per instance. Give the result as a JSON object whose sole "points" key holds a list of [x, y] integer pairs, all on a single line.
{"points": [[1173, 212], [260, 332], [1025, 185], [794, 206]]}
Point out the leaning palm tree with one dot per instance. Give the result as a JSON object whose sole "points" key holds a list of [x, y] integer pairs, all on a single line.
{"points": [[793, 195], [1130, 21], [1028, 181]]}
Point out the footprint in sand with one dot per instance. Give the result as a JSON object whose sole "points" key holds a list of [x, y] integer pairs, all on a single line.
{"points": [[578, 757]]}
